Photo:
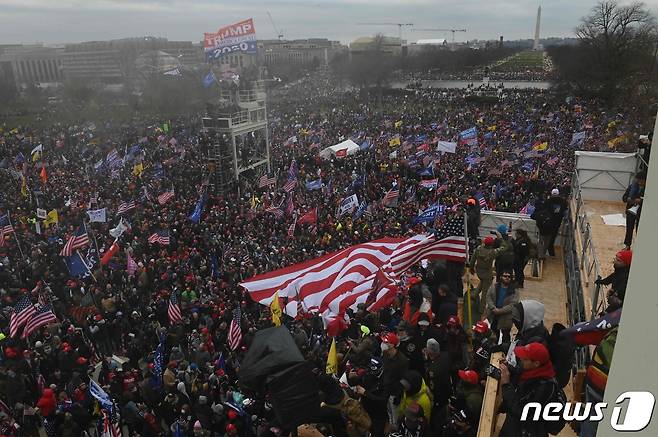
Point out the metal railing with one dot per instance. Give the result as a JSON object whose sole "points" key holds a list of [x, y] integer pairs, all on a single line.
{"points": [[589, 262]]}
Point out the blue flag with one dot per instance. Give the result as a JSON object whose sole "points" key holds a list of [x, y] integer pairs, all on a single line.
{"points": [[198, 209], [429, 171], [430, 214], [360, 210], [99, 394], [209, 80], [314, 185], [214, 266], [365, 145], [78, 265], [468, 133]]}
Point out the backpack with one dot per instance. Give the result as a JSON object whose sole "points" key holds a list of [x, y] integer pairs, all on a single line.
{"points": [[558, 395], [562, 350]]}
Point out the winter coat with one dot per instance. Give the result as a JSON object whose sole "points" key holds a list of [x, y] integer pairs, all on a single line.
{"points": [[504, 320], [422, 397]]}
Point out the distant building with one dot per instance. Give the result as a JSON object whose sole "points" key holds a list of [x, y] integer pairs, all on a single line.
{"points": [[298, 51], [115, 60], [389, 45], [425, 45], [31, 64]]}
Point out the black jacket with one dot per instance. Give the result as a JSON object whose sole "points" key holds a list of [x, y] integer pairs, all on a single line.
{"points": [[618, 279], [515, 397]]}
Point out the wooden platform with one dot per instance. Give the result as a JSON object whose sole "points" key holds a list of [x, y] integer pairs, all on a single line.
{"points": [[608, 240]]}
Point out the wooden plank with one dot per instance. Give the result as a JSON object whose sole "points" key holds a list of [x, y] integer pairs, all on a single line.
{"points": [[490, 402]]}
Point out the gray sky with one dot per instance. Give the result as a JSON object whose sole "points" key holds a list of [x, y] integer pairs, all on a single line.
{"points": [[60, 21]]}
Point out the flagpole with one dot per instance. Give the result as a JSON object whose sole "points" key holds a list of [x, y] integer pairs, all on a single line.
{"points": [[18, 243], [468, 285], [88, 269]]}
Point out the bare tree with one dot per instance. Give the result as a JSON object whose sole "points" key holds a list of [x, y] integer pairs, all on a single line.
{"points": [[620, 40]]}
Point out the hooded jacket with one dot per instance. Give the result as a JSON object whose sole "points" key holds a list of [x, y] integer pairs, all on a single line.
{"points": [[528, 316], [421, 395]]}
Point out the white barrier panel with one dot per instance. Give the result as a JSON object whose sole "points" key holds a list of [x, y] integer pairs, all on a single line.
{"points": [[604, 175], [490, 220]]}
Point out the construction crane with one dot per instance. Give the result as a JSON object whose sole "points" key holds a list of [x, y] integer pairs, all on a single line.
{"points": [[279, 33], [399, 25], [441, 30]]}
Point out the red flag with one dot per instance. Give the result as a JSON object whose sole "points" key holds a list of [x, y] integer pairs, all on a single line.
{"points": [[43, 175], [342, 153], [110, 253], [310, 217]]}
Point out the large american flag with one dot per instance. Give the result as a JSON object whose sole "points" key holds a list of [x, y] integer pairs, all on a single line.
{"points": [[341, 280], [290, 185], [41, 317], [23, 310], [173, 310], [126, 206], [76, 241], [277, 211], [266, 179], [161, 237], [164, 197], [234, 332]]}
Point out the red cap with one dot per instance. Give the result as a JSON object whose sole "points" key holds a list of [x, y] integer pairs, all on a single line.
{"points": [[232, 414], [481, 327], [533, 352], [470, 376], [489, 240], [413, 281], [471, 201], [81, 360], [390, 338], [453, 321], [231, 429], [625, 256]]}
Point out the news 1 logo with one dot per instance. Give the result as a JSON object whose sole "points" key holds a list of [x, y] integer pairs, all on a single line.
{"points": [[638, 411]]}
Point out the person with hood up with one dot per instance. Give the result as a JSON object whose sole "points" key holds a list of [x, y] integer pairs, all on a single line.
{"points": [[536, 383], [618, 279], [415, 391], [528, 317]]}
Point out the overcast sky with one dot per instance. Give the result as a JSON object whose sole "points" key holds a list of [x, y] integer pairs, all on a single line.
{"points": [[61, 21]]}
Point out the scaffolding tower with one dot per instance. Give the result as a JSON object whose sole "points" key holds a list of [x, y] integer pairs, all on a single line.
{"points": [[240, 140]]}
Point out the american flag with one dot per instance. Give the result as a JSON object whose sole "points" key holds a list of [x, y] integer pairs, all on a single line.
{"points": [[131, 265], [76, 241], [126, 206], [5, 228], [290, 185], [292, 170], [291, 228], [481, 200], [234, 332], [41, 317], [391, 197], [110, 426], [174, 312], [23, 311], [341, 280], [112, 156], [266, 179], [278, 213], [161, 237], [164, 197]]}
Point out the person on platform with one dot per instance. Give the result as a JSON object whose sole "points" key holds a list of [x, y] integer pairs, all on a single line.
{"points": [[634, 197], [501, 298]]}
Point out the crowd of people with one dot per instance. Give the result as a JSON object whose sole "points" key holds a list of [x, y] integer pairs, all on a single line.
{"points": [[131, 315]]}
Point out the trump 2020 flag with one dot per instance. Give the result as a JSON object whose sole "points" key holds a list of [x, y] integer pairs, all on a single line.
{"points": [[97, 215], [348, 204], [209, 80], [195, 217]]}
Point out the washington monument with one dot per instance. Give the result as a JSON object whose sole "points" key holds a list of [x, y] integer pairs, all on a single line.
{"points": [[535, 46]]}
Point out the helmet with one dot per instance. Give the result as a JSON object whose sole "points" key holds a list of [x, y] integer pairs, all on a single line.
{"points": [[481, 327]]}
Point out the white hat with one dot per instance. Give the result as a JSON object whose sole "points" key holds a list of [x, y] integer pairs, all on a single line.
{"points": [[555, 192]]}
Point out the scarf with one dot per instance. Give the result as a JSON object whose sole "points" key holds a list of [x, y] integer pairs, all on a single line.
{"points": [[544, 371]]}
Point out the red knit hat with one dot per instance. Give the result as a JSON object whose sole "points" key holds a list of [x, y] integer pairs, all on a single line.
{"points": [[625, 256]]}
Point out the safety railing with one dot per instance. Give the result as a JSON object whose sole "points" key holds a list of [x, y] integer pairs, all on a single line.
{"points": [[589, 262]]}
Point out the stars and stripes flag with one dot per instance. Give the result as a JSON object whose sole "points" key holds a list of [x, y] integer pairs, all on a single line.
{"points": [[234, 332], [173, 310], [161, 237], [481, 200], [164, 197], [278, 213], [290, 185], [110, 426], [292, 170], [76, 241], [266, 179], [23, 311], [41, 317], [131, 265], [341, 280], [430, 184], [390, 199], [5, 228], [126, 206], [291, 228]]}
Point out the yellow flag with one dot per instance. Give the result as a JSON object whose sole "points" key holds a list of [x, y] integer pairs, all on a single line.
{"points": [[52, 218], [36, 156], [613, 143], [540, 147], [398, 124], [253, 201], [275, 308], [138, 169], [492, 128], [394, 142], [332, 359], [23, 186]]}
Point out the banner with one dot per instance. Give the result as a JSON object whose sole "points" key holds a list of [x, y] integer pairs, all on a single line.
{"points": [[97, 215], [446, 146], [238, 37], [348, 204]]}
